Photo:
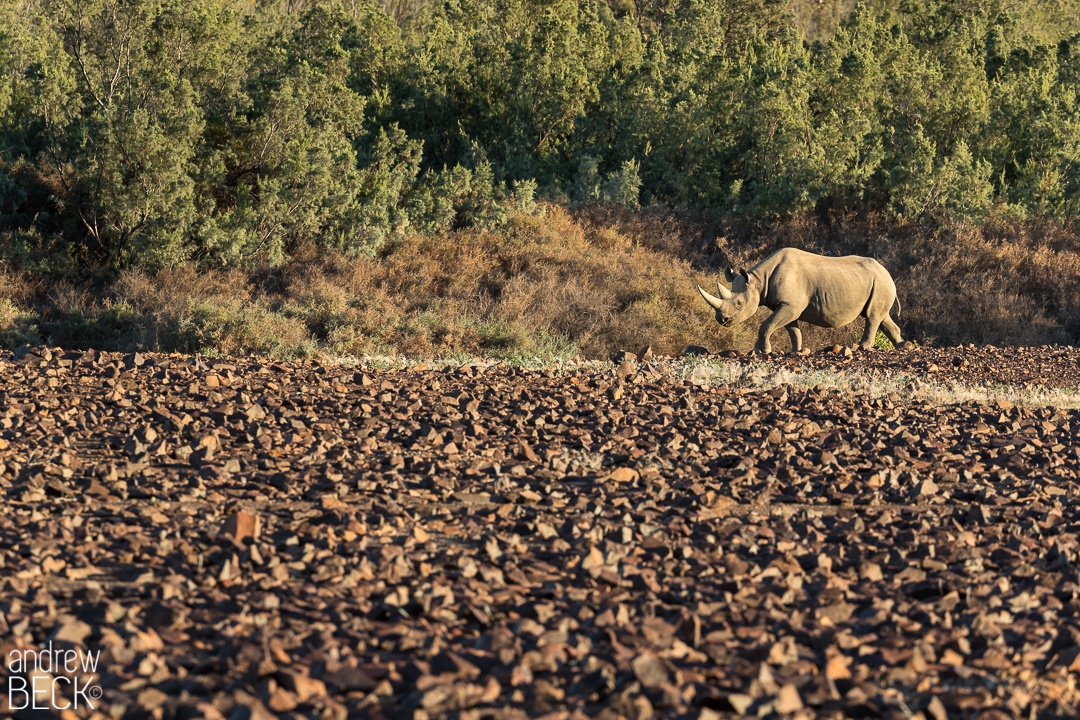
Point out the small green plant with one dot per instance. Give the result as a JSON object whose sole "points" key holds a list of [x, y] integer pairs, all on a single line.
{"points": [[17, 327], [881, 341]]}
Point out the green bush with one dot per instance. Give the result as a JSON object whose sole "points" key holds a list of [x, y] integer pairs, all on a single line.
{"points": [[152, 133]]}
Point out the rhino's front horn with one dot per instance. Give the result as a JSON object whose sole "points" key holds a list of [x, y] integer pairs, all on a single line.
{"points": [[711, 299]]}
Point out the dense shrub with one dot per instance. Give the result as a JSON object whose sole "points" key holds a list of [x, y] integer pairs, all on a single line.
{"points": [[156, 132]]}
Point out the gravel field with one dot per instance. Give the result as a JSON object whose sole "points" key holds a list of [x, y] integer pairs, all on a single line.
{"points": [[701, 539]]}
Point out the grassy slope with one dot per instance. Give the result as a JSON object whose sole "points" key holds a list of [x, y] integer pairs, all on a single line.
{"points": [[547, 285], [561, 284]]}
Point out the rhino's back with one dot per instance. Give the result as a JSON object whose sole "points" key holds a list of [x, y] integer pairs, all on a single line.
{"points": [[835, 290], [821, 265]]}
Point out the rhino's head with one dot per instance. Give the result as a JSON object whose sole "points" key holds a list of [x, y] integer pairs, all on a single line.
{"points": [[735, 305]]}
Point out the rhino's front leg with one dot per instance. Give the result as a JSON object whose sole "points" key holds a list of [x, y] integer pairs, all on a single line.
{"points": [[783, 315]]}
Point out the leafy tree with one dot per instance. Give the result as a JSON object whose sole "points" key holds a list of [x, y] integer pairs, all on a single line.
{"points": [[1033, 137], [280, 163], [150, 132], [113, 126]]}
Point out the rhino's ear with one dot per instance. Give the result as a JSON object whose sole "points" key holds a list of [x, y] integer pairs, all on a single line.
{"points": [[730, 274], [746, 275]]}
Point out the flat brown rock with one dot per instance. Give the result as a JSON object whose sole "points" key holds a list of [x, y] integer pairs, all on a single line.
{"points": [[241, 525]]}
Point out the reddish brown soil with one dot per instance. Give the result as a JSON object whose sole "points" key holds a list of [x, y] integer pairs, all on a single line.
{"points": [[249, 540]]}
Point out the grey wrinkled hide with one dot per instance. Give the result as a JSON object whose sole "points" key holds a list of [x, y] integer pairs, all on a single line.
{"points": [[801, 286]]}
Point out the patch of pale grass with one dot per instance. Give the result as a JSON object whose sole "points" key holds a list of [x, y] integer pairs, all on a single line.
{"points": [[900, 386], [758, 376]]}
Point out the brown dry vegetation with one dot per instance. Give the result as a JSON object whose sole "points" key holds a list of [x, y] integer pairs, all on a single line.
{"points": [[1001, 283], [545, 286], [563, 283]]}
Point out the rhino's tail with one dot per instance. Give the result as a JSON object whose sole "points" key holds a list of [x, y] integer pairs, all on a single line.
{"points": [[897, 301]]}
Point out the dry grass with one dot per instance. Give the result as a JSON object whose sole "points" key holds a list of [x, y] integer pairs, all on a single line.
{"points": [[763, 375], [17, 321], [547, 286], [558, 285], [900, 387], [1002, 283]]}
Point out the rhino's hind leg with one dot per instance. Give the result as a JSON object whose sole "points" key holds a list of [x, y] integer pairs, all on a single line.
{"points": [[870, 333], [796, 336], [891, 330]]}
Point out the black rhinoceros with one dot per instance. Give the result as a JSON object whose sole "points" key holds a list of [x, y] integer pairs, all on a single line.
{"points": [[798, 285]]}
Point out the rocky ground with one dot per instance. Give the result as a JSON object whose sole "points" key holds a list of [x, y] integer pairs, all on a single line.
{"points": [[246, 539], [983, 365]]}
